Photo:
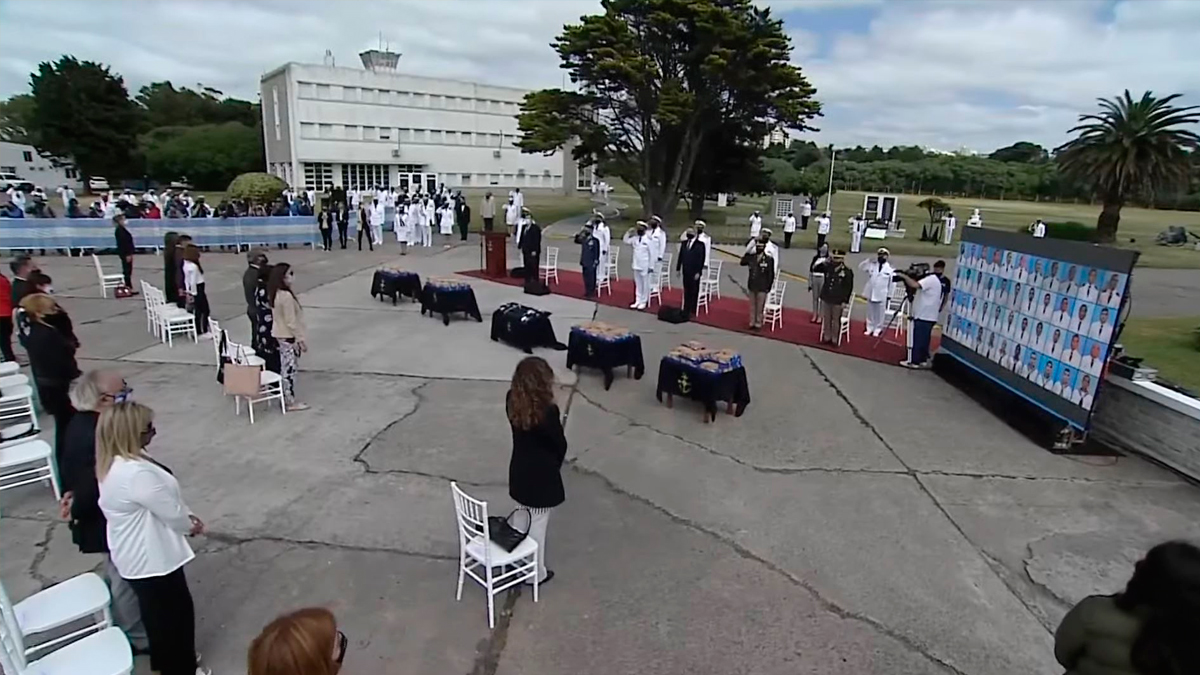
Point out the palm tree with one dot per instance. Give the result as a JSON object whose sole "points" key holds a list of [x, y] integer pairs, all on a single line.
{"points": [[1131, 148]]}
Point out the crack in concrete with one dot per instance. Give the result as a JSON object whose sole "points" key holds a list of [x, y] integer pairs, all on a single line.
{"points": [[43, 547], [492, 648], [416, 392], [237, 540], [747, 554], [993, 565]]}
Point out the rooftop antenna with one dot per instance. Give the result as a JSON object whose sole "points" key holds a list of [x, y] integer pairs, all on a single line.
{"points": [[329, 60]]}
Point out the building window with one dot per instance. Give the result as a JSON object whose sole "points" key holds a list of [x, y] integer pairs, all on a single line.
{"points": [[369, 96], [435, 136], [308, 130], [325, 131], [8, 169], [385, 133], [404, 134], [323, 92], [275, 110], [308, 90], [27, 155], [365, 176], [353, 132], [467, 138], [351, 94], [451, 138], [317, 175], [493, 179], [71, 172], [370, 134], [465, 180], [419, 135], [584, 177]]}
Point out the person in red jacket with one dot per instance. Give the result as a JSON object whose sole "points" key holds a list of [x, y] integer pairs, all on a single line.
{"points": [[6, 320]]}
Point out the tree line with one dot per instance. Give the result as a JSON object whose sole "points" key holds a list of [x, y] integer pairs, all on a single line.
{"points": [[81, 112], [1022, 170]]}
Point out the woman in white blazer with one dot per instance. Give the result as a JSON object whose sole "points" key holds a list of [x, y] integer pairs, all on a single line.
{"points": [[148, 526]]}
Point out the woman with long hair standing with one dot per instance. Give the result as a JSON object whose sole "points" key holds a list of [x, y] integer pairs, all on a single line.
{"points": [[181, 243], [263, 344], [304, 642], [170, 290], [147, 526], [288, 328], [1151, 628], [193, 284], [47, 338], [539, 448]]}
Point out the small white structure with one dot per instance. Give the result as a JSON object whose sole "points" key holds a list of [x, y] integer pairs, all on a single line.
{"points": [[41, 170]]}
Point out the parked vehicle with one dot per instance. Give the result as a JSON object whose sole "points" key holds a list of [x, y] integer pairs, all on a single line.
{"points": [[8, 180], [97, 184]]}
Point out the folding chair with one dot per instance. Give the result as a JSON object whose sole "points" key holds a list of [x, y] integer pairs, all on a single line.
{"points": [[844, 321], [107, 281], [773, 311], [28, 462], [85, 596], [714, 277], [478, 554], [106, 652], [666, 270], [614, 254], [549, 267], [656, 279]]}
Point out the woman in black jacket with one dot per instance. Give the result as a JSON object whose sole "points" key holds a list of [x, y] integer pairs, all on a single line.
{"points": [[539, 447], [52, 358]]}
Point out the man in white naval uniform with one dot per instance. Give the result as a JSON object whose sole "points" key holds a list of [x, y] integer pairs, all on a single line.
{"points": [[642, 263], [877, 290]]}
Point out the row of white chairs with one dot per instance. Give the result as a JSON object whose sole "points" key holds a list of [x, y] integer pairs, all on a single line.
{"points": [[24, 458], [96, 648], [270, 384], [164, 320]]}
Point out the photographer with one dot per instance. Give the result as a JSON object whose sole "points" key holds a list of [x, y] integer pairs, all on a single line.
{"points": [[926, 305]]}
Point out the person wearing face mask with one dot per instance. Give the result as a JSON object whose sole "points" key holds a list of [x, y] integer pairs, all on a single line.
{"points": [[589, 258], [304, 642], [690, 264], [51, 346], [755, 224], [703, 238], [658, 236], [789, 228], [642, 263], [603, 235], [287, 326], [878, 289], [91, 394], [760, 280], [816, 280]]}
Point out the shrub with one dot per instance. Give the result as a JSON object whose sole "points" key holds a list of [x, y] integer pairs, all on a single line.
{"points": [[1069, 230], [256, 188]]}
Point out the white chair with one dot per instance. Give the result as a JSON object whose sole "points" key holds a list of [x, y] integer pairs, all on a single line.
{"points": [[704, 297], [243, 355], [478, 554], [666, 270], [714, 277], [28, 462], [9, 368], [548, 269], [107, 281], [270, 388], [172, 320], [614, 254], [773, 310], [82, 597], [604, 282], [896, 306], [147, 303], [844, 321], [104, 653], [656, 282]]}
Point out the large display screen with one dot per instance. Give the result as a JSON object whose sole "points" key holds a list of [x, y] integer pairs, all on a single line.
{"points": [[1038, 316]]}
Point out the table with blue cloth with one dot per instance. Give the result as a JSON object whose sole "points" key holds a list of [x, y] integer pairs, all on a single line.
{"points": [[523, 327], [693, 371], [447, 296], [603, 346], [395, 283]]}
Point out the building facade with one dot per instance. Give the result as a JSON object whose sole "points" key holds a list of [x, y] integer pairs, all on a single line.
{"points": [[25, 161], [362, 128]]}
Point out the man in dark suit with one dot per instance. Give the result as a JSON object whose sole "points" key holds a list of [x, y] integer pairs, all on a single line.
{"points": [[125, 248], [462, 215], [337, 196], [343, 223], [690, 264], [530, 245]]}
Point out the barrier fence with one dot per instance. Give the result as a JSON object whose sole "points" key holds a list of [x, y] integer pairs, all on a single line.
{"points": [[97, 233]]}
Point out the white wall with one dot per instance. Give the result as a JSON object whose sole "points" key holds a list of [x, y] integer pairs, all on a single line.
{"points": [[37, 169]]}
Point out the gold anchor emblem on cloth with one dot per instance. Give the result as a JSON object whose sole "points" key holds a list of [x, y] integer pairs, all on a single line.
{"points": [[685, 385], [591, 350]]}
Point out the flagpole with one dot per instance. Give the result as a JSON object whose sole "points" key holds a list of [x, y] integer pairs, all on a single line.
{"points": [[832, 160]]}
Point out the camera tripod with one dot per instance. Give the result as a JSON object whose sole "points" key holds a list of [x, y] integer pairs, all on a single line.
{"points": [[905, 304]]}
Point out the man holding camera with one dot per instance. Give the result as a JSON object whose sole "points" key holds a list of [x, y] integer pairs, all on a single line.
{"points": [[926, 305]]}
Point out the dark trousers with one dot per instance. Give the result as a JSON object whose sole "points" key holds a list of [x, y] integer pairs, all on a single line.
{"points": [[820, 239], [691, 293], [530, 261], [127, 270], [200, 310], [56, 401], [362, 229], [488, 224], [327, 239], [922, 332], [170, 620], [787, 239], [804, 222], [462, 229], [6, 331], [342, 227], [589, 281], [253, 316]]}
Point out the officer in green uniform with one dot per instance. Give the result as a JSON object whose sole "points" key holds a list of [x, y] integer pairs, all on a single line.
{"points": [[838, 287]]}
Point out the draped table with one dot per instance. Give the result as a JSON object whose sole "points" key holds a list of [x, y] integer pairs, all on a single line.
{"points": [[701, 378], [395, 283], [523, 327], [447, 297], [606, 350]]}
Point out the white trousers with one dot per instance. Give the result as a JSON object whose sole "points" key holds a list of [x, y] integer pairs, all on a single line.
{"points": [[641, 282], [949, 235], [855, 242], [539, 520], [427, 235], [377, 234], [875, 313], [602, 267]]}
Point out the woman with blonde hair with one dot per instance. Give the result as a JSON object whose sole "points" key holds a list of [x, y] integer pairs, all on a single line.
{"points": [[539, 448], [304, 642], [47, 338], [288, 328], [147, 522]]}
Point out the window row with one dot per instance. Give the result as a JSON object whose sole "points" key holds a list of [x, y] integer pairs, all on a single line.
{"points": [[354, 132], [320, 176], [412, 99]]}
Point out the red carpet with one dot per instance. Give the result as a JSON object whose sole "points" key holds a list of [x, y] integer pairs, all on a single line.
{"points": [[732, 313]]}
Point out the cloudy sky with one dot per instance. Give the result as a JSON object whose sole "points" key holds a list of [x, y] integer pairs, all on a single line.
{"points": [[974, 73]]}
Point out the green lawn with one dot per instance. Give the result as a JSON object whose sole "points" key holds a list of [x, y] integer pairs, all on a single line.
{"points": [[1168, 344], [1138, 224]]}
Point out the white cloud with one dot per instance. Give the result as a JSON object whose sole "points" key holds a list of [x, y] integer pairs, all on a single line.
{"points": [[986, 74]]}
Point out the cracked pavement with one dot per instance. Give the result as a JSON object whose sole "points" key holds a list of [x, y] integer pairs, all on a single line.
{"points": [[858, 518]]}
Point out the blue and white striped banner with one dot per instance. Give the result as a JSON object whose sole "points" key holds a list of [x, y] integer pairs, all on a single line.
{"points": [[97, 233]]}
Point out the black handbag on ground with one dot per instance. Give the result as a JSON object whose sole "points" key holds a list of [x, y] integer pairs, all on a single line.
{"points": [[503, 534], [672, 314]]}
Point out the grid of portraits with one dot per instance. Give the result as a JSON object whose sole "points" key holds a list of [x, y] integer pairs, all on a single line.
{"points": [[1045, 320]]}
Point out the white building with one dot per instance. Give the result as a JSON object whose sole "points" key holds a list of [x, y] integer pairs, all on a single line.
{"points": [[777, 136], [360, 128], [26, 162]]}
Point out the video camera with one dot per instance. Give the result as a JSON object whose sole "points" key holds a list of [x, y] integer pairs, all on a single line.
{"points": [[916, 271]]}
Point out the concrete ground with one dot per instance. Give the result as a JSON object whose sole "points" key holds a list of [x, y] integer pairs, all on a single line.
{"points": [[859, 518]]}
